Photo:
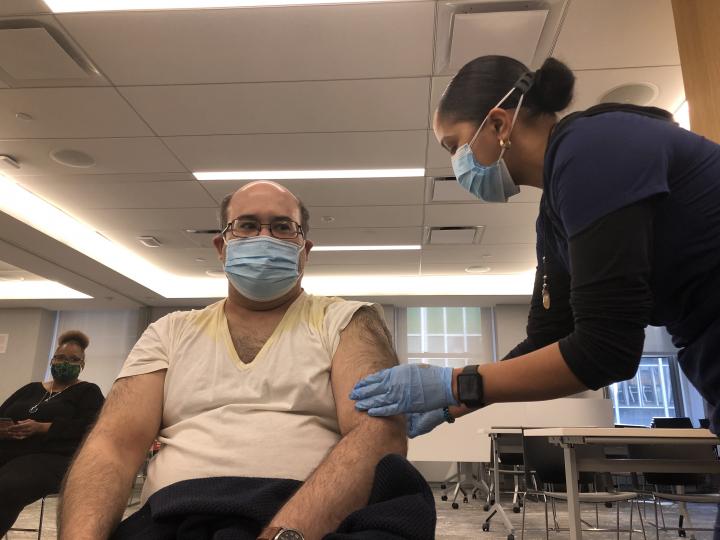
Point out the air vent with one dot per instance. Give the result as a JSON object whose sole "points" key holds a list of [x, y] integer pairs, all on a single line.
{"points": [[149, 241], [468, 29], [8, 162], [34, 53], [454, 235]]}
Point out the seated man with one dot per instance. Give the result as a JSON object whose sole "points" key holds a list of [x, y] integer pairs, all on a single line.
{"points": [[250, 398]]}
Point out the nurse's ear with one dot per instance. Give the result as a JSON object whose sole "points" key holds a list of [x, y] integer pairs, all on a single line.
{"points": [[501, 122]]}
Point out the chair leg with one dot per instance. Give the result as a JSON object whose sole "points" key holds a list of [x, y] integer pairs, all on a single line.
{"points": [[522, 526], [547, 523], [617, 519], [631, 516], [657, 523], [642, 523], [42, 511]]}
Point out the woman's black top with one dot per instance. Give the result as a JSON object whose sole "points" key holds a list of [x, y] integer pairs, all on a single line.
{"points": [[72, 412], [629, 226]]}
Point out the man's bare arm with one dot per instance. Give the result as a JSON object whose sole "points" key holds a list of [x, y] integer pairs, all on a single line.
{"points": [[342, 482], [98, 484]]}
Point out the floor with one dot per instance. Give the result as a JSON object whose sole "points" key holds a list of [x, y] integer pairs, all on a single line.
{"points": [[464, 523]]}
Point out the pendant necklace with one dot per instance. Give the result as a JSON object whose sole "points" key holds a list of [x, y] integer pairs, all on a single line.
{"points": [[50, 395], [545, 288]]}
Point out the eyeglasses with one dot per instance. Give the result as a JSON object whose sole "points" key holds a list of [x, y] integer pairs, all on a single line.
{"points": [[282, 229], [63, 358]]}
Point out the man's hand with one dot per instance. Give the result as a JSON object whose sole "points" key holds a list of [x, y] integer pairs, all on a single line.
{"points": [[410, 388], [27, 428]]}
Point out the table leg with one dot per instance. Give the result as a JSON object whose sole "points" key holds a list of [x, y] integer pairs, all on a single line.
{"points": [[571, 486]]}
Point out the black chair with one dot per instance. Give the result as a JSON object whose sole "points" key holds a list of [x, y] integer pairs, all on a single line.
{"points": [[673, 487]]}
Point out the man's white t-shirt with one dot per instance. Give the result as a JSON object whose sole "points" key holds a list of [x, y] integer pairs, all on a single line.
{"points": [[272, 418]]}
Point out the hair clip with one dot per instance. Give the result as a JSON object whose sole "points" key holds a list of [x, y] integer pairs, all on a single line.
{"points": [[525, 82]]}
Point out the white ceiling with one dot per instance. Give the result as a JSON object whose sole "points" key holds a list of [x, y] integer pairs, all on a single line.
{"points": [[313, 87]]}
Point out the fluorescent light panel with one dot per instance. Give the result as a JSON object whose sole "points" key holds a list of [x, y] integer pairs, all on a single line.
{"points": [[37, 290], [309, 175], [77, 6], [367, 248]]}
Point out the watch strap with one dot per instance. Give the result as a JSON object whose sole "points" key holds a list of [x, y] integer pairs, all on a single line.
{"points": [[269, 533]]}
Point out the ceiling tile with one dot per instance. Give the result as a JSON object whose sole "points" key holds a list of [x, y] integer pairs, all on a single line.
{"points": [[158, 219], [438, 159], [117, 155], [68, 113], [618, 33], [352, 258], [366, 216], [591, 85], [362, 270], [291, 107], [512, 234], [487, 214], [450, 269], [189, 194], [344, 192], [524, 253], [263, 44], [367, 236], [301, 151]]}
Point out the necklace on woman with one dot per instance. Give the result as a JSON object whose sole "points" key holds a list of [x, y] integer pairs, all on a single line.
{"points": [[50, 395]]}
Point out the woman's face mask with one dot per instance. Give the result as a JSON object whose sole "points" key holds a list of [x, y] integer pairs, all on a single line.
{"points": [[490, 183]]}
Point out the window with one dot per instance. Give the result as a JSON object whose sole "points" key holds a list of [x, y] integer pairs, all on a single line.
{"points": [[446, 336], [654, 391]]}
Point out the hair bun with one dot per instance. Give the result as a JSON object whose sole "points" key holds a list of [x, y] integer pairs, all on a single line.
{"points": [[552, 90], [74, 336]]}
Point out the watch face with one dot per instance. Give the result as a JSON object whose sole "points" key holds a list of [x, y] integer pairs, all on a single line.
{"points": [[290, 534], [468, 387]]}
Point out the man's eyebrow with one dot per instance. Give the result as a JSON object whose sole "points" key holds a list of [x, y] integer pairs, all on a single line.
{"points": [[255, 217]]}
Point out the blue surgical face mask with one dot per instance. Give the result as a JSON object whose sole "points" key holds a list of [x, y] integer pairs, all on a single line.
{"points": [[262, 268], [490, 183]]}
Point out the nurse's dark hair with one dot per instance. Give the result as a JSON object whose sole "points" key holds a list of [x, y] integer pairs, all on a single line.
{"points": [[76, 337], [482, 83]]}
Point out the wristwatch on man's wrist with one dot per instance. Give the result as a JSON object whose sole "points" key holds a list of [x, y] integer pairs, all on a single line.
{"points": [[280, 533], [470, 387]]}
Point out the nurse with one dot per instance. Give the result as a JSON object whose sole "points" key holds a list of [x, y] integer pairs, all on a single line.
{"points": [[628, 235]]}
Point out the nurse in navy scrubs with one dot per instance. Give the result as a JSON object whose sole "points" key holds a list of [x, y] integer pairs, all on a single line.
{"points": [[628, 235]]}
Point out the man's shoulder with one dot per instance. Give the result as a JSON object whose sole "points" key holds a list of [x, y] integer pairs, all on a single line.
{"points": [[177, 320]]}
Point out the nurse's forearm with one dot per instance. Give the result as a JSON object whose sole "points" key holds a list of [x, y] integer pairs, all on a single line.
{"points": [[536, 376]]}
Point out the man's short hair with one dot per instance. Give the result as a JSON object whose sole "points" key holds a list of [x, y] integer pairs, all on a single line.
{"points": [[304, 213]]}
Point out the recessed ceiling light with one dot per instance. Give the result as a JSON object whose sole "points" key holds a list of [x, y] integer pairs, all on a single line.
{"points": [[309, 175], [477, 269], [72, 158], [368, 248], [634, 93], [74, 6]]}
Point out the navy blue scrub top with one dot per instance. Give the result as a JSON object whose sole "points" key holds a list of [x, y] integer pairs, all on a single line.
{"points": [[600, 164]]}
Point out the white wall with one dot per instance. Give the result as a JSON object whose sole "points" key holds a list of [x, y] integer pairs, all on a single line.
{"points": [[112, 335], [510, 326], [30, 334]]}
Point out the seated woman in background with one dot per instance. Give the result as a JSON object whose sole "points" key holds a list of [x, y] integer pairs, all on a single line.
{"points": [[41, 426]]}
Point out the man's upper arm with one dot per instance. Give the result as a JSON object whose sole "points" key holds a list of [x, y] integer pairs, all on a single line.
{"points": [[130, 418], [365, 347]]}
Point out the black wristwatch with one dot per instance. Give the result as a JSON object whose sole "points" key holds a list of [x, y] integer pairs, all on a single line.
{"points": [[470, 387]]}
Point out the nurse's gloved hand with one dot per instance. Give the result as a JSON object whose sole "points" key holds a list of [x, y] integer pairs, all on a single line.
{"points": [[405, 389], [422, 423]]}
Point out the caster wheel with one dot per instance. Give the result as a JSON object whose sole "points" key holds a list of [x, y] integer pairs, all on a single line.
{"points": [[516, 509], [443, 486], [465, 500], [486, 507], [486, 527], [511, 537], [492, 501], [608, 505], [682, 533], [443, 498], [455, 506], [474, 496]]}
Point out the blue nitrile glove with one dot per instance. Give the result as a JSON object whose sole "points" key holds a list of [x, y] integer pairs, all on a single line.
{"points": [[422, 423], [405, 389]]}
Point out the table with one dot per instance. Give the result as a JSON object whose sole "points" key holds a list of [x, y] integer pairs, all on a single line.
{"points": [[569, 438]]}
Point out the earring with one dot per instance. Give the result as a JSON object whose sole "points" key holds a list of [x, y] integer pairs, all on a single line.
{"points": [[505, 144]]}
